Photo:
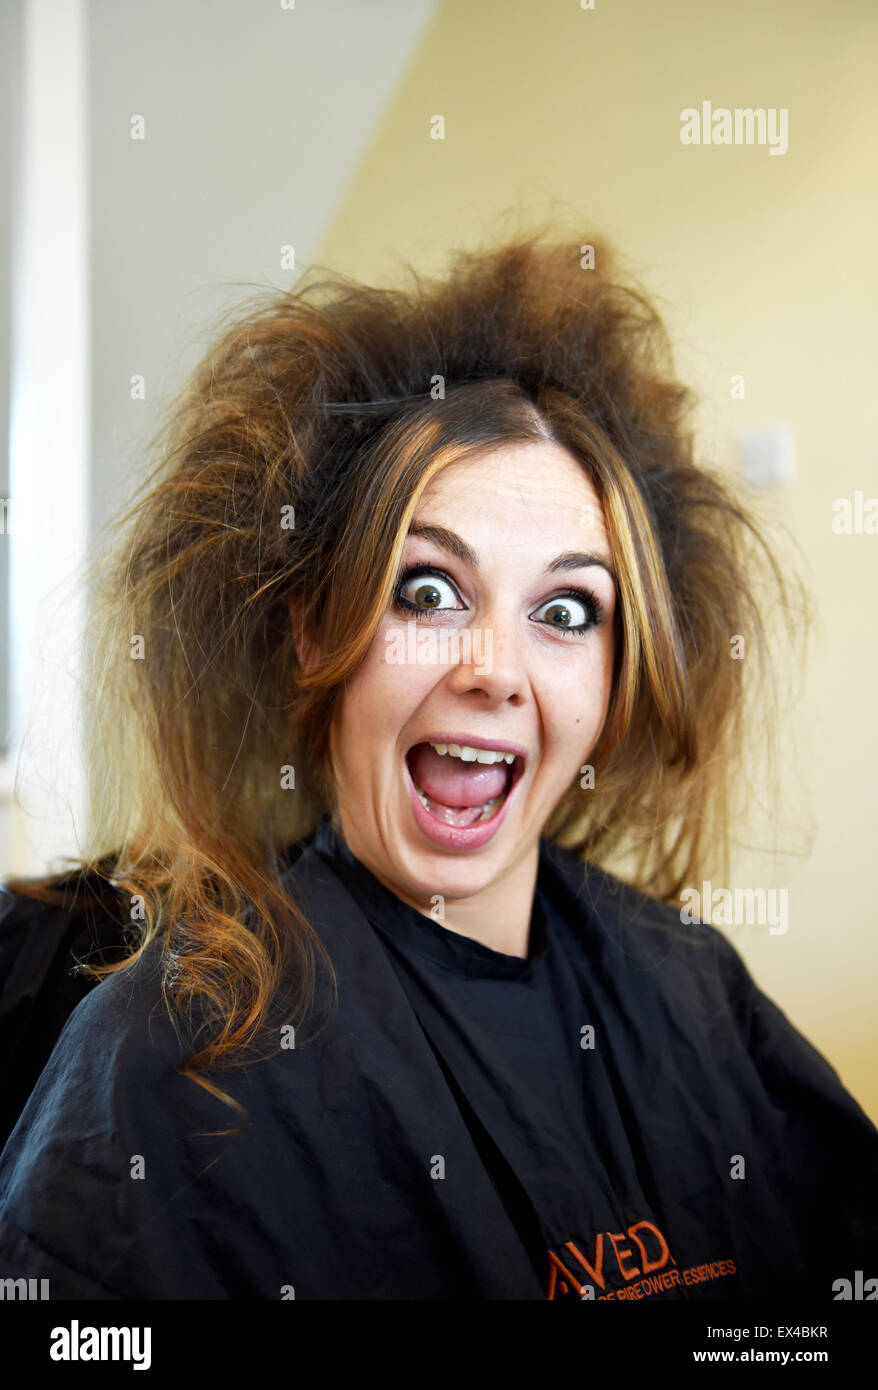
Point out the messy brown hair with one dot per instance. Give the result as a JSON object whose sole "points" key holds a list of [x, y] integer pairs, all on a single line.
{"points": [[288, 474]]}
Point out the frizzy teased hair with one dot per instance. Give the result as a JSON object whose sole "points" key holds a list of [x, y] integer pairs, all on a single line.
{"points": [[290, 470]]}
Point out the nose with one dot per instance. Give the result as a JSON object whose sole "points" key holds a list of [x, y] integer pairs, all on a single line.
{"points": [[492, 661]]}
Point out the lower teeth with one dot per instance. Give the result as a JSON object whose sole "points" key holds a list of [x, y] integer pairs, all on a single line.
{"points": [[446, 813]]}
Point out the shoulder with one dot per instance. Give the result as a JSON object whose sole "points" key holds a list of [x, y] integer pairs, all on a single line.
{"points": [[618, 922], [78, 910], [676, 976], [117, 1043], [110, 1072], [95, 1175], [692, 983], [42, 944], [111, 1095]]}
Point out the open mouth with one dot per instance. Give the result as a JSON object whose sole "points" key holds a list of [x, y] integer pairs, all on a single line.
{"points": [[461, 785]]}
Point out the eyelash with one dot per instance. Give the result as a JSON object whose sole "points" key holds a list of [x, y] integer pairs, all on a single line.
{"points": [[590, 603]]}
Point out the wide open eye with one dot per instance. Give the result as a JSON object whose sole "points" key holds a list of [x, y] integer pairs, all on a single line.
{"points": [[426, 591], [570, 613]]}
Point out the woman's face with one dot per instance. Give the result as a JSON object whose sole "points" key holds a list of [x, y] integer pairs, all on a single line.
{"points": [[480, 653]]}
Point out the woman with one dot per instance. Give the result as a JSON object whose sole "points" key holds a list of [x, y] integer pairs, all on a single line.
{"points": [[427, 611]]}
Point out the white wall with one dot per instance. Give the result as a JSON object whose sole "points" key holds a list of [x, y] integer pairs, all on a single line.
{"points": [[254, 119]]}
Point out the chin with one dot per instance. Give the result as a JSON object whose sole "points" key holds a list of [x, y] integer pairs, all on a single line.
{"points": [[453, 878]]}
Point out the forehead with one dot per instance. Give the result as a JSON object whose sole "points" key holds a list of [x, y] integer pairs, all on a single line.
{"points": [[539, 485]]}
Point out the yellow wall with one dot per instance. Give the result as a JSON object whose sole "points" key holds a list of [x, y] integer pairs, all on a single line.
{"points": [[766, 266]]}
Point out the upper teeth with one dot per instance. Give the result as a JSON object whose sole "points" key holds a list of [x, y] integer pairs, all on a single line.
{"points": [[473, 755]]}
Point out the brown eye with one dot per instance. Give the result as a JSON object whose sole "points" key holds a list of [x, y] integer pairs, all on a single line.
{"points": [[428, 595], [565, 613], [570, 613], [559, 615], [426, 592]]}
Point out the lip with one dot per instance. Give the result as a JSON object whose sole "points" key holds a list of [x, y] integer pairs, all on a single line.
{"points": [[455, 836]]}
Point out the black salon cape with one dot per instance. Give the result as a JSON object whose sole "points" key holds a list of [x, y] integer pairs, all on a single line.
{"points": [[621, 1115]]}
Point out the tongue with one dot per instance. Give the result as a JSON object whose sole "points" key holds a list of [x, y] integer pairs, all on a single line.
{"points": [[452, 782]]}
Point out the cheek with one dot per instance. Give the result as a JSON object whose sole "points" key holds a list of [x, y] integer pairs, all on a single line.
{"points": [[576, 699], [385, 692]]}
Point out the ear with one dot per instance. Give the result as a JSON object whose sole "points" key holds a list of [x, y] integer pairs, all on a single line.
{"points": [[305, 649]]}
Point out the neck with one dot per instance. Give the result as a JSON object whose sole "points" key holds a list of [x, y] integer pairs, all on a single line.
{"points": [[498, 916]]}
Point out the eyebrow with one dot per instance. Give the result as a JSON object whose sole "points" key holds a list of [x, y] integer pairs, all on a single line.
{"points": [[457, 546]]}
